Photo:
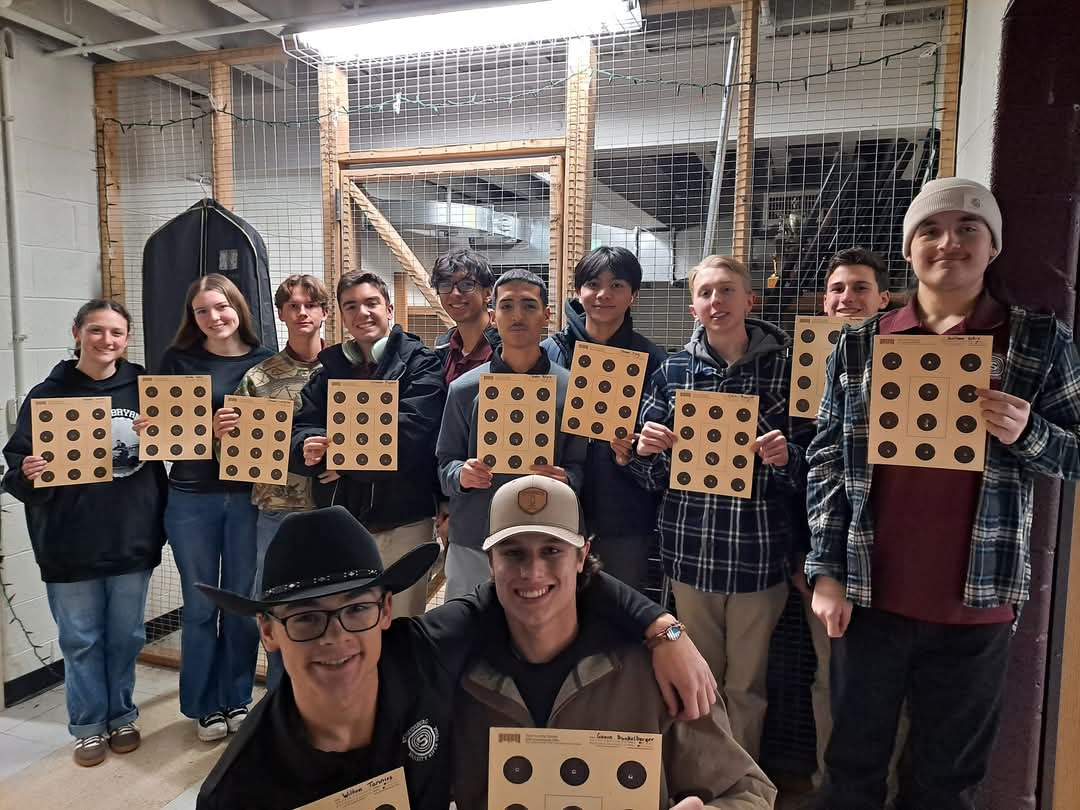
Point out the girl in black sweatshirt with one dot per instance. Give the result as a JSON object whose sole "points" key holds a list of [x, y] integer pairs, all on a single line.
{"points": [[96, 543], [211, 523]]}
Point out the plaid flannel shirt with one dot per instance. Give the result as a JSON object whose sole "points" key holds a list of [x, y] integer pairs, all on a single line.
{"points": [[715, 542], [1042, 367]]}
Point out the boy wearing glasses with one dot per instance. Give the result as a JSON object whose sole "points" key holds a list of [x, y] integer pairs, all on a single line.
{"points": [[463, 280], [363, 695]]}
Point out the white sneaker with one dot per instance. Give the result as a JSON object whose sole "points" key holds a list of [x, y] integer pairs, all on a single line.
{"points": [[212, 727], [234, 718]]}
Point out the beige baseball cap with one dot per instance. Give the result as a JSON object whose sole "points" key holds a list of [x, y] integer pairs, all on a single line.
{"points": [[535, 504]]}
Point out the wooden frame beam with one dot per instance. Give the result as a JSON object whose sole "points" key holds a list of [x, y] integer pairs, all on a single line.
{"points": [[744, 153], [952, 44], [577, 189], [650, 8], [537, 164], [110, 228], [422, 154], [193, 62], [401, 251], [221, 133], [557, 203], [333, 140]]}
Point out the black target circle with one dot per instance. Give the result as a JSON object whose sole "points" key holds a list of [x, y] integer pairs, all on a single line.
{"points": [[686, 456], [517, 416], [633, 369], [888, 420], [738, 485], [716, 412], [361, 459], [577, 403], [517, 393], [199, 391], [386, 459], [176, 450], [924, 451], [742, 438], [970, 362], [100, 472], [808, 335], [625, 412], [199, 449], [48, 476], [514, 462], [928, 392], [629, 391], [386, 398], [151, 449], [834, 335], [631, 775], [714, 435], [152, 411], [743, 415], [200, 430], [584, 361], [688, 409], [74, 475], [46, 436], [573, 423], [621, 432], [892, 361], [339, 418], [574, 771], [176, 411], [362, 418], [178, 430], [802, 405], [232, 450], [543, 394], [964, 454], [151, 391], [72, 415], [386, 418], [73, 435], [541, 440], [175, 392], [386, 439], [99, 413], [231, 469], [804, 382], [253, 471], [259, 414], [279, 455], [600, 407], [926, 421], [282, 416], [363, 397], [200, 410], [490, 437], [683, 478], [517, 770], [279, 435], [276, 475], [256, 452], [597, 428], [687, 432], [74, 455], [887, 449], [608, 365], [967, 424], [100, 453], [45, 416], [890, 390], [806, 359], [967, 393], [339, 459], [739, 462], [604, 387], [516, 439], [930, 361], [712, 459]]}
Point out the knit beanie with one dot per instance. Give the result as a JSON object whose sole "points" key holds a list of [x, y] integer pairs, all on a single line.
{"points": [[952, 194]]}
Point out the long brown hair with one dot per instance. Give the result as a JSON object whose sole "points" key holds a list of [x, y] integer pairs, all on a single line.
{"points": [[190, 335]]}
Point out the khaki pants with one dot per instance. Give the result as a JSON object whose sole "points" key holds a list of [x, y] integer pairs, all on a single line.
{"points": [[819, 690], [732, 631], [393, 545]]}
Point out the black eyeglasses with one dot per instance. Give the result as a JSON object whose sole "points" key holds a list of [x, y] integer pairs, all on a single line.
{"points": [[312, 624], [464, 286]]}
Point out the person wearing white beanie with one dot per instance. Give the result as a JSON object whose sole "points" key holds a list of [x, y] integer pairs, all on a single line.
{"points": [[918, 571]]}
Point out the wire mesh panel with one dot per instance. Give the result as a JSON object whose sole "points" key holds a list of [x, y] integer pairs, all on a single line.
{"points": [[245, 135], [506, 213]]}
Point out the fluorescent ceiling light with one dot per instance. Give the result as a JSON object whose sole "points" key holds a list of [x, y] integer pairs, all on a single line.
{"points": [[474, 28]]}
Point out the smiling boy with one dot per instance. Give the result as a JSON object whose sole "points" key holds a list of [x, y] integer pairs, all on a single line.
{"points": [[920, 601], [398, 507], [729, 558]]}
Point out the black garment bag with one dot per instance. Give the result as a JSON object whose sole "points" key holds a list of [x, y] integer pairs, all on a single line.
{"points": [[206, 238]]}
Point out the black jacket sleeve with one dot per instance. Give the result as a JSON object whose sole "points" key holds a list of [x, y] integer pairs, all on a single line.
{"points": [[309, 420]]}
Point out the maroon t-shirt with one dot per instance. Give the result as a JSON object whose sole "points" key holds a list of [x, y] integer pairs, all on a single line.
{"points": [[923, 517], [457, 362]]}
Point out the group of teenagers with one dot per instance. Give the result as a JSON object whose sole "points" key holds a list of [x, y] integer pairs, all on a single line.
{"points": [[913, 577]]}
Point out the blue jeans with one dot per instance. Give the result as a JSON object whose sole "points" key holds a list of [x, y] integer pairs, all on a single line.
{"points": [[212, 535], [267, 526], [100, 623]]}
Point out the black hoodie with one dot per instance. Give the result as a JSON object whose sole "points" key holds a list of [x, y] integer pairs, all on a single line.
{"points": [[381, 500], [612, 501], [87, 531]]}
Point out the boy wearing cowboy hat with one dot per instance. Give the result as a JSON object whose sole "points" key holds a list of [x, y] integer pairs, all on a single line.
{"points": [[363, 695]]}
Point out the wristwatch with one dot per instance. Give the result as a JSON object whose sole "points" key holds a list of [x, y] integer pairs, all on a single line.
{"points": [[673, 632]]}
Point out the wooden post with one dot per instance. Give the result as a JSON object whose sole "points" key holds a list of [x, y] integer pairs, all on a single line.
{"points": [[401, 251], [110, 226], [744, 154], [333, 141], [555, 235], [350, 248], [577, 191], [952, 45], [221, 133], [401, 299]]}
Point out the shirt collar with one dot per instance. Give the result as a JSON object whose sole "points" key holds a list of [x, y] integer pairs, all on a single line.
{"points": [[458, 345], [988, 313], [499, 366]]}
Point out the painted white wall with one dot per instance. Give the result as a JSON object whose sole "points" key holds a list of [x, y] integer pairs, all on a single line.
{"points": [[56, 198], [978, 90]]}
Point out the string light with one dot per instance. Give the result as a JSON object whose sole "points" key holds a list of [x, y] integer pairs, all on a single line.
{"points": [[399, 101]]}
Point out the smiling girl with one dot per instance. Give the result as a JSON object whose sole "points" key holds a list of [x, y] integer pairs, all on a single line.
{"points": [[211, 523], [96, 544]]}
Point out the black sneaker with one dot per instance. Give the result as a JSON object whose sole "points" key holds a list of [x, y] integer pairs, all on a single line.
{"points": [[234, 718], [212, 727]]}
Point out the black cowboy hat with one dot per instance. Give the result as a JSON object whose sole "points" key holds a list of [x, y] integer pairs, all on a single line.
{"points": [[321, 553]]}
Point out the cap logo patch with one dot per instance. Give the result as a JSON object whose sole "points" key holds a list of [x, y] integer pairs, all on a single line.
{"points": [[532, 500], [976, 202]]}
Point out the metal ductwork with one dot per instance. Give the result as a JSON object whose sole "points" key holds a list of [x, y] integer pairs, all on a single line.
{"points": [[482, 225]]}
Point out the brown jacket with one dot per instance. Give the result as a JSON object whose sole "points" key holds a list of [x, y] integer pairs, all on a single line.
{"points": [[610, 691]]}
